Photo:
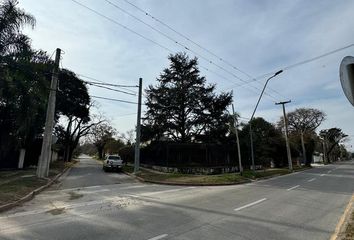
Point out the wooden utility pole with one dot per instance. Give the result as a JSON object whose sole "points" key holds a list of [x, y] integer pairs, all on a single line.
{"points": [[237, 141], [290, 162], [138, 129], [44, 159]]}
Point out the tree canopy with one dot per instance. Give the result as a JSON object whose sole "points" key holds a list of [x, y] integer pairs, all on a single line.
{"points": [[182, 107]]}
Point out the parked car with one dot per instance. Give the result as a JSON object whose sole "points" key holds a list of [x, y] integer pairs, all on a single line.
{"points": [[113, 162]]}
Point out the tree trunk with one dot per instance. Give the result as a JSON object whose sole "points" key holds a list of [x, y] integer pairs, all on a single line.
{"points": [[21, 159], [303, 148], [100, 152]]}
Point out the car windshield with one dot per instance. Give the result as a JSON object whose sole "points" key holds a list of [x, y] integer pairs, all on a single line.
{"points": [[114, 158]]}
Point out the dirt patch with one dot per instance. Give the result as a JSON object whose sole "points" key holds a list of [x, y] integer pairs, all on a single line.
{"points": [[56, 211], [74, 195]]}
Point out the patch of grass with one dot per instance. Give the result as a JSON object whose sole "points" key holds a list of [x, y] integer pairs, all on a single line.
{"points": [[128, 168], [191, 179], [16, 184], [265, 173], [227, 178], [349, 231], [19, 187]]}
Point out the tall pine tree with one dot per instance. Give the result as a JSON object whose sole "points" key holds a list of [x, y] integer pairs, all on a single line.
{"points": [[182, 107]]}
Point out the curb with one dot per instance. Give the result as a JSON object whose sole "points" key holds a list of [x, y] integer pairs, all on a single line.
{"points": [[35, 192], [185, 184], [210, 184], [339, 232]]}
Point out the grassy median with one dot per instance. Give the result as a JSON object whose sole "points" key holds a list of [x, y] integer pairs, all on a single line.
{"points": [[227, 178], [16, 184]]}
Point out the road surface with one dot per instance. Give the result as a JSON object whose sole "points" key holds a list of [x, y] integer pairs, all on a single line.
{"points": [[305, 205]]}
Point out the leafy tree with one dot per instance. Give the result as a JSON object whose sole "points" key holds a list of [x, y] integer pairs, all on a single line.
{"points": [[268, 142], [101, 134], [113, 146], [73, 104], [182, 107], [12, 20], [304, 121], [332, 137]]}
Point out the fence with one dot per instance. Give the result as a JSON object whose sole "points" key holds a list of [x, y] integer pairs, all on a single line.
{"points": [[189, 155]]}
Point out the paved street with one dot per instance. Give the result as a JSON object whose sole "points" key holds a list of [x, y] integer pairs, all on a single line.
{"points": [[305, 205], [89, 173]]}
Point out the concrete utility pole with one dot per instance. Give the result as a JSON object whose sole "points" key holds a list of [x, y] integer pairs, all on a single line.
{"points": [[254, 111], [138, 131], [290, 162], [238, 141], [44, 159]]}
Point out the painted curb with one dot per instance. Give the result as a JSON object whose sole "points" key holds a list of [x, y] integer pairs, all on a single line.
{"points": [[35, 192]]}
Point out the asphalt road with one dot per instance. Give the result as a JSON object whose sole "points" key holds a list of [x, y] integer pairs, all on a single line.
{"points": [[305, 205], [88, 172]]}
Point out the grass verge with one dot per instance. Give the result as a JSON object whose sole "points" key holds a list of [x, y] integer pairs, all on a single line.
{"points": [[227, 178], [16, 184], [349, 231]]}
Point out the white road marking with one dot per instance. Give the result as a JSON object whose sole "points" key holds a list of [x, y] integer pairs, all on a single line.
{"points": [[289, 189], [139, 186], [312, 179], [329, 171], [167, 191], [322, 174], [159, 237], [94, 186], [250, 204]]}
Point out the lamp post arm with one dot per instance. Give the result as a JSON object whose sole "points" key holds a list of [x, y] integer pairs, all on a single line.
{"points": [[260, 96]]}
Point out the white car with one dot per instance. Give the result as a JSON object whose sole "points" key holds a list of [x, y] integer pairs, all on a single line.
{"points": [[113, 162]]}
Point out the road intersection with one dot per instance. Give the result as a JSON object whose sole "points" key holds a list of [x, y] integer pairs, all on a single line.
{"points": [[303, 205]]}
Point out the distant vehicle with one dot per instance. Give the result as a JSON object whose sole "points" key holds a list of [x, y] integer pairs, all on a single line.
{"points": [[113, 162]]}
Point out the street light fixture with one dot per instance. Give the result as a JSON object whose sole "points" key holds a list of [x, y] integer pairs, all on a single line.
{"points": [[254, 111]]}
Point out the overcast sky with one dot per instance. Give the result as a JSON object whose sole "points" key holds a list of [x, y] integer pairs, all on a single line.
{"points": [[258, 37]]}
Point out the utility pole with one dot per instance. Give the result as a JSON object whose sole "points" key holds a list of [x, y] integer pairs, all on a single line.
{"points": [[238, 141], [286, 134], [138, 131], [44, 159]]}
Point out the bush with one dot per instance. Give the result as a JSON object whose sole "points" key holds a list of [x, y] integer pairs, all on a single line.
{"points": [[127, 153]]}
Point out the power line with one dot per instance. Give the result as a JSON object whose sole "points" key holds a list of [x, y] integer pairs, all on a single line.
{"points": [[111, 89], [158, 44], [121, 25], [190, 40], [306, 61], [108, 84], [113, 99]]}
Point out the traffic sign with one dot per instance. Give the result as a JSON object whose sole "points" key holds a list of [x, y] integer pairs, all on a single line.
{"points": [[347, 77]]}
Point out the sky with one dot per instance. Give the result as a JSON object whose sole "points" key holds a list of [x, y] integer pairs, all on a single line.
{"points": [[258, 37]]}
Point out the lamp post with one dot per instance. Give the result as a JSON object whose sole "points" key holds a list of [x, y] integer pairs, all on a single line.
{"points": [[254, 111]]}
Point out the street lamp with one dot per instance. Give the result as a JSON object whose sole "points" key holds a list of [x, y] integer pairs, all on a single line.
{"points": [[254, 111]]}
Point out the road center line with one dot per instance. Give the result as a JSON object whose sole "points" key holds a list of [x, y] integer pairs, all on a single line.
{"points": [[159, 237], [329, 171], [322, 174], [289, 189], [250, 204], [312, 179]]}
